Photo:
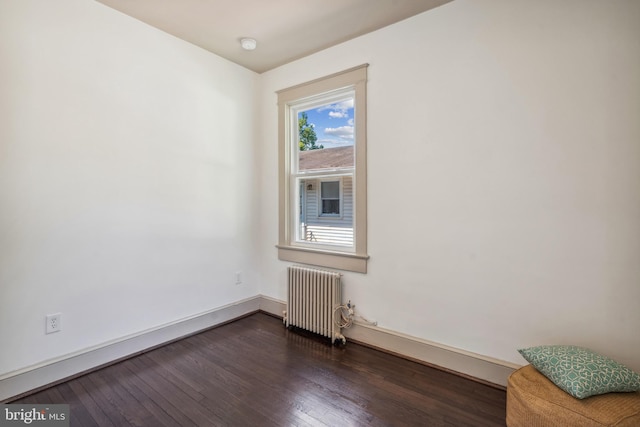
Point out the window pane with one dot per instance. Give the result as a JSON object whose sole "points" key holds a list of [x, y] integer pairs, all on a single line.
{"points": [[326, 136], [331, 190], [331, 207]]}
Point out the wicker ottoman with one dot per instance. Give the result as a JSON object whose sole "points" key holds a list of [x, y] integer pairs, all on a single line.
{"points": [[534, 401]]}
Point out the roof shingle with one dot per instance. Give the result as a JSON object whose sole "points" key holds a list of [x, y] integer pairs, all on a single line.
{"points": [[326, 158]]}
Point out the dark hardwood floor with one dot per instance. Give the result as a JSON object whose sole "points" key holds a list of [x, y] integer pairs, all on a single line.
{"points": [[254, 372]]}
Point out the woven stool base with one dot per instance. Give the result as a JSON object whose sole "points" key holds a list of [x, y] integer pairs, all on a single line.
{"points": [[534, 401]]}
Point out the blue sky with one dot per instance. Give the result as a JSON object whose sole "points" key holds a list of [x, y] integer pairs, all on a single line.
{"points": [[333, 124]]}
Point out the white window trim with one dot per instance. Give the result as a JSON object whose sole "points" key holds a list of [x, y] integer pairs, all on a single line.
{"points": [[288, 249]]}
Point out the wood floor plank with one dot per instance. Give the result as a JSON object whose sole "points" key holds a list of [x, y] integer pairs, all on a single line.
{"points": [[87, 402], [80, 415], [104, 401], [155, 377], [255, 372], [128, 382], [169, 407]]}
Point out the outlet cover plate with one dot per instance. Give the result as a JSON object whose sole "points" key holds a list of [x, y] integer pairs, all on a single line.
{"points": [[53, 323]]}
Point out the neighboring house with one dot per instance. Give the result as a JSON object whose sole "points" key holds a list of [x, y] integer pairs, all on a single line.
{"points": [[326, 203]]}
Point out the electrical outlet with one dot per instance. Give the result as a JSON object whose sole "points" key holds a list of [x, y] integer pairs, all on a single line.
{"points": [[53, 323], [238, 277]]}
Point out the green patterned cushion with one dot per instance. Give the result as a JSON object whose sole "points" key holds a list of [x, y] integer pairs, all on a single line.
{"points": [[581, 372]]}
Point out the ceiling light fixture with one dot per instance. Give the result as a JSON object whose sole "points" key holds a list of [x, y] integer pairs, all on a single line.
{"points": [[248, 44]]}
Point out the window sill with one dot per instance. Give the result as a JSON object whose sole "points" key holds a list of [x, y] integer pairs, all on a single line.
{"points": [[331, 259]]}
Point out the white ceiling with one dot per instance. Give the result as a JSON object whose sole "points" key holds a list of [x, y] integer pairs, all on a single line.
{"points": [[284, 29]]}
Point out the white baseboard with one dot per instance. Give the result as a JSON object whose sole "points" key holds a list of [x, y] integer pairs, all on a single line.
{"points": [[33, 377], [272, 305], [484, 368], [30, 378]]}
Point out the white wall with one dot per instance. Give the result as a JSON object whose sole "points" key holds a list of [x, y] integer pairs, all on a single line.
{"points": [[126, 178], [511, 129]]}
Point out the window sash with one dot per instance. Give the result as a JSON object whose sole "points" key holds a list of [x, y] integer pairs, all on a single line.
{"points": [[296, 217], [308, 104]]}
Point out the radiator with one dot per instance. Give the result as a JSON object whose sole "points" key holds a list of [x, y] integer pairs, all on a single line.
{"points": [[312, 297]]}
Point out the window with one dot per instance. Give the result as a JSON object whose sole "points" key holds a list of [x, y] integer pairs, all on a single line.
{"points": [[330, 198], [322, 150]]}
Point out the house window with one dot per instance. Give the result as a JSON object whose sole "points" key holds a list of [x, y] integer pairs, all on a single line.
{"points": [[322, 150], [330, 198]]}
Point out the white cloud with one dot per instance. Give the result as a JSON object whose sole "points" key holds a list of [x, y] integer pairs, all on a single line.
{"points": [[338, 114], [350, 122], [345, 132], [338, 110], [344, 105]]}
